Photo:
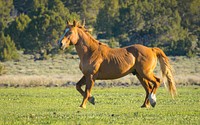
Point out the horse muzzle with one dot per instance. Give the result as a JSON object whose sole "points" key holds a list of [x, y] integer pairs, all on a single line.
{"points": [[61, 45]]}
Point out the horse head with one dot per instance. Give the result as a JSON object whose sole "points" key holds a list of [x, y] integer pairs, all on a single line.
{"points": [[70, 35]]}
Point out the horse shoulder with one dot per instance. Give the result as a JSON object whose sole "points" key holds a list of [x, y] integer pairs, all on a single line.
{"points": [[104, 50], [91, 63]]}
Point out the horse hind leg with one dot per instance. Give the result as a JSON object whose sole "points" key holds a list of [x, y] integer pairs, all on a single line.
{"points": [[148, 88], [156, 82], [156, 85]]}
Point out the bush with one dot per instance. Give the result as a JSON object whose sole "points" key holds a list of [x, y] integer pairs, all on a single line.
{"points": [[113, 43], [2, 69], [8, 50], [190, 54]]}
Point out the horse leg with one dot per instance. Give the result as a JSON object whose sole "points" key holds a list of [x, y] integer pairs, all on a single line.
{"points": [[156, 82], [152, 96], [156, 85], [148, 88], [80, 83], [88, 88]]}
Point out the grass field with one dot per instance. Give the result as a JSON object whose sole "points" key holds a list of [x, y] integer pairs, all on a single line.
{"points": [[28, 95], [115, 105]]}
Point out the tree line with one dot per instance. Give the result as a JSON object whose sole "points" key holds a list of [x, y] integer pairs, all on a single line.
{"points": [[34, 26]]}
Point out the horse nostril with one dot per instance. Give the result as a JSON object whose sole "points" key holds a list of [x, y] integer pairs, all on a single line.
{"points": [[59, 43]]}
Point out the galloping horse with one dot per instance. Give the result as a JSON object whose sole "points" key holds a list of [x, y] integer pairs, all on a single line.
{"points": [[100, 62]]}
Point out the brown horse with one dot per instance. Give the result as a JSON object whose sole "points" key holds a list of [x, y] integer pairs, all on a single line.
{"points": [[98, 61]]}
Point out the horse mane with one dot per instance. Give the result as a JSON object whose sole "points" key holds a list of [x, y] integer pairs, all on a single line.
{"points": [[90, 36], [116, 54]]}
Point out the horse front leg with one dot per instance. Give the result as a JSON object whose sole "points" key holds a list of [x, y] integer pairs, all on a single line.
{"points": [[79, 84], [87, 95]]}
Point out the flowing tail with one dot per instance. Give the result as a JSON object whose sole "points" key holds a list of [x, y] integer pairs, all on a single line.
{"points": [[166, 70]]}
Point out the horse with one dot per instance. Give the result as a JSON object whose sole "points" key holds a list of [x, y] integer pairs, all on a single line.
{"points": [[100, 62]]}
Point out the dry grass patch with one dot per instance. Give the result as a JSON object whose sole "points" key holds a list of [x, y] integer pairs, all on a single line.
{"points": [[63, 69]]}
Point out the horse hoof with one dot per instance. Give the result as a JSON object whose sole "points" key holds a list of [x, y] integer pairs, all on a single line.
{"points": [[145, 106], [92, 100], [153, 104], [152, 99], [83, 107]]}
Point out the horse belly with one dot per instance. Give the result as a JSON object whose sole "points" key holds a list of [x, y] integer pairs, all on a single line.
{"points": [[114, 71]]}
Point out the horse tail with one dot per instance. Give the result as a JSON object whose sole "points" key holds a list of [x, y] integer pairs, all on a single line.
{"points": [[166, 70]]}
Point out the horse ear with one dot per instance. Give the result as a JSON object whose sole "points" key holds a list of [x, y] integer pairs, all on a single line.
{"points": [[68, 22], [83, 25], [75, 23]]}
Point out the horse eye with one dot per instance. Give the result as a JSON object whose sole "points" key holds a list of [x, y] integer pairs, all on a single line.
{"points": [[70, 32]]}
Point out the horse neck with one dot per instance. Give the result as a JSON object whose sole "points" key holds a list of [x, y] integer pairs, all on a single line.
{"points": [[86, 43]]}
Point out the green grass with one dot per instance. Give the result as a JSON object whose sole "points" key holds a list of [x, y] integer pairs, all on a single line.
{"points": [[117, 105]]}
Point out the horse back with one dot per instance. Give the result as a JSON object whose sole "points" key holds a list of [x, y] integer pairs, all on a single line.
{"points": [[137, 49]]}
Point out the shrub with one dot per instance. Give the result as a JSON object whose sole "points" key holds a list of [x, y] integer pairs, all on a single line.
{"points": [[113, 43], [8, 50], [2, 69]]}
